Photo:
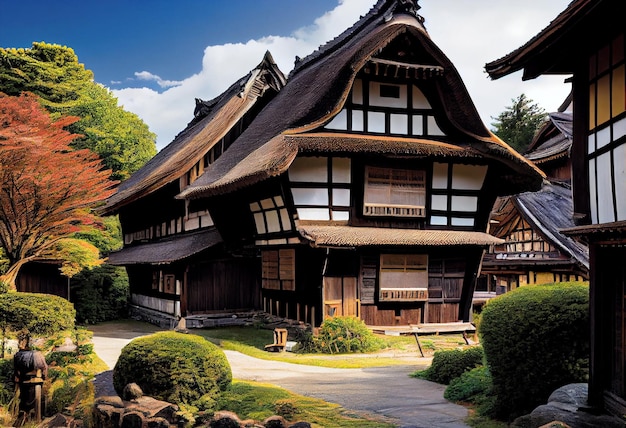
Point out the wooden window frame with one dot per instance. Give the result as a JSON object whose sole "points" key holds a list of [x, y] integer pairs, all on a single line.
{"points": [[330, 184], [414, 181], [415, 265], [278, 269], [273, 206], [606, 65], [420, 121]]}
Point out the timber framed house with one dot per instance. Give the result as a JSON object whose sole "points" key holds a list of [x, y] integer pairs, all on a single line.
{"points": [[535, 251], [362, 188], [173, 253], [587, 41]]}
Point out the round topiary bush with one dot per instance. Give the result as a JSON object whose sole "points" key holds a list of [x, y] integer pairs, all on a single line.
{"points": [[536, 339], [40, 314], [175, 367]]}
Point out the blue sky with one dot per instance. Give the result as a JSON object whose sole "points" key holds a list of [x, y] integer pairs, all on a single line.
{"points": [[116, 38], [157, 56]]}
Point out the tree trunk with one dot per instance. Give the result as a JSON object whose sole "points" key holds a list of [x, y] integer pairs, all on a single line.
{"points": [[10, 276]]}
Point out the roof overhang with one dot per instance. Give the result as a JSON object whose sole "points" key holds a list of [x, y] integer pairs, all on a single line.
{"points": [[549, 51], [166, 251], [338, 236]]}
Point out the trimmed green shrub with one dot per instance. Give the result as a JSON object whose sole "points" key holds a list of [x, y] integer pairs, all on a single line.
{"points": [[536, 339], [450, 364], [341, 335], [469, 385], [175, 367], [100, 294], [40, 314]]}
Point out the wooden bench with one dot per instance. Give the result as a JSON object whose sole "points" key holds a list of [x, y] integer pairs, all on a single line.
{"points": [[280, 341], [437, 328], [431, 328]]}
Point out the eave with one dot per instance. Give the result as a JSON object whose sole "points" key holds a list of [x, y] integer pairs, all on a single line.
{"points": [[548, 51], [167, 250], [350, 237]]}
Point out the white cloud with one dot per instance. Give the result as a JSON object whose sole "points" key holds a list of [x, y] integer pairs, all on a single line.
{"points": [[469, 33], [146, 75]]}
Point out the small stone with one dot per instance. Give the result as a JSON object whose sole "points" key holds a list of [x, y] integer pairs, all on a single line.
{"points": [[132, 391]]}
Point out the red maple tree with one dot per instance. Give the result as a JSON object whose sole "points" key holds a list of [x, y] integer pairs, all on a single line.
{"points": [[47, 189]]}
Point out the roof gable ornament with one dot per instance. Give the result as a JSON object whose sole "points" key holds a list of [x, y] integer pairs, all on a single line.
{"points": [[407, 6]]}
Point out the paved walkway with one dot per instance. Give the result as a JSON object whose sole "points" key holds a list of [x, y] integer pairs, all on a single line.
{"points": [[384, 391]]}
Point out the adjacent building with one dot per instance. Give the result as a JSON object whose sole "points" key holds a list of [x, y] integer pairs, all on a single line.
{"points": [[535, 250], [586, 41]]}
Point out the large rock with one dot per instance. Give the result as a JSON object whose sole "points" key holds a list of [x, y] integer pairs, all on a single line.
{"points": [[568, 405], [113, 412]]}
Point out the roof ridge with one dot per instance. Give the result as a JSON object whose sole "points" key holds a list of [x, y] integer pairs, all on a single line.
{"points": [[383, 8]]}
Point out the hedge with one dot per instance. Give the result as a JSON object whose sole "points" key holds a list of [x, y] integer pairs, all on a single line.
{"points": [[450, 364], [536, 339]]}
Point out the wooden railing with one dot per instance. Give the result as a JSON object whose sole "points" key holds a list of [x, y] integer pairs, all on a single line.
{"points": [[403, 294]]}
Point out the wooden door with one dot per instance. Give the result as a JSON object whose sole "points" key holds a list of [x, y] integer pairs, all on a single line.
{"points": [[341, 297]]}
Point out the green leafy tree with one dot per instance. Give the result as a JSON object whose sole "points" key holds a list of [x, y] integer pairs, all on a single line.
{"points": [[120, 138], [518, 124], [66, 88]]}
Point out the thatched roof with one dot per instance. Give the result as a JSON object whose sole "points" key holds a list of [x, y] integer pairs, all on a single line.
{"points": [[554, 139], [553, 50], [348, 236], [213, 119], [166, 251], [318, 88]]}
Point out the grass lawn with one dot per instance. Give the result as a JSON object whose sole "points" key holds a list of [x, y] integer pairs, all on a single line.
{"points": [[257, 401], [401, 350]]}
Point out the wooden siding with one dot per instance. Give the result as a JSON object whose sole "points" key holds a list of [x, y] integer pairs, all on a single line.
{"points": [[42, 278], [220, 285], [169, 307], [304, 303], [387, 316], [442, 312], [369, 274]]}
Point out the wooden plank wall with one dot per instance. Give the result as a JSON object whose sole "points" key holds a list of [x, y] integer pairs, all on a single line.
{"points": [[376, 316], [442, 312], [224, 285], [42, 278]]}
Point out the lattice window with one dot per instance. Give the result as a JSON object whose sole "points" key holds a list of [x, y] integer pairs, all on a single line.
{"points": [[394, 192], [320, 187], [403, 277], [606, 139], [270, 216]]}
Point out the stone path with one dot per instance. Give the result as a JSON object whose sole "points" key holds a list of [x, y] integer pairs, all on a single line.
{"points": [[384, 391]]}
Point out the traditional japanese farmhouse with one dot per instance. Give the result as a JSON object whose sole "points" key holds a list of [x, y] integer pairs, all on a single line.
{"points": [[175, 257], [535, 250], [362, 188], [587, 41]]}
